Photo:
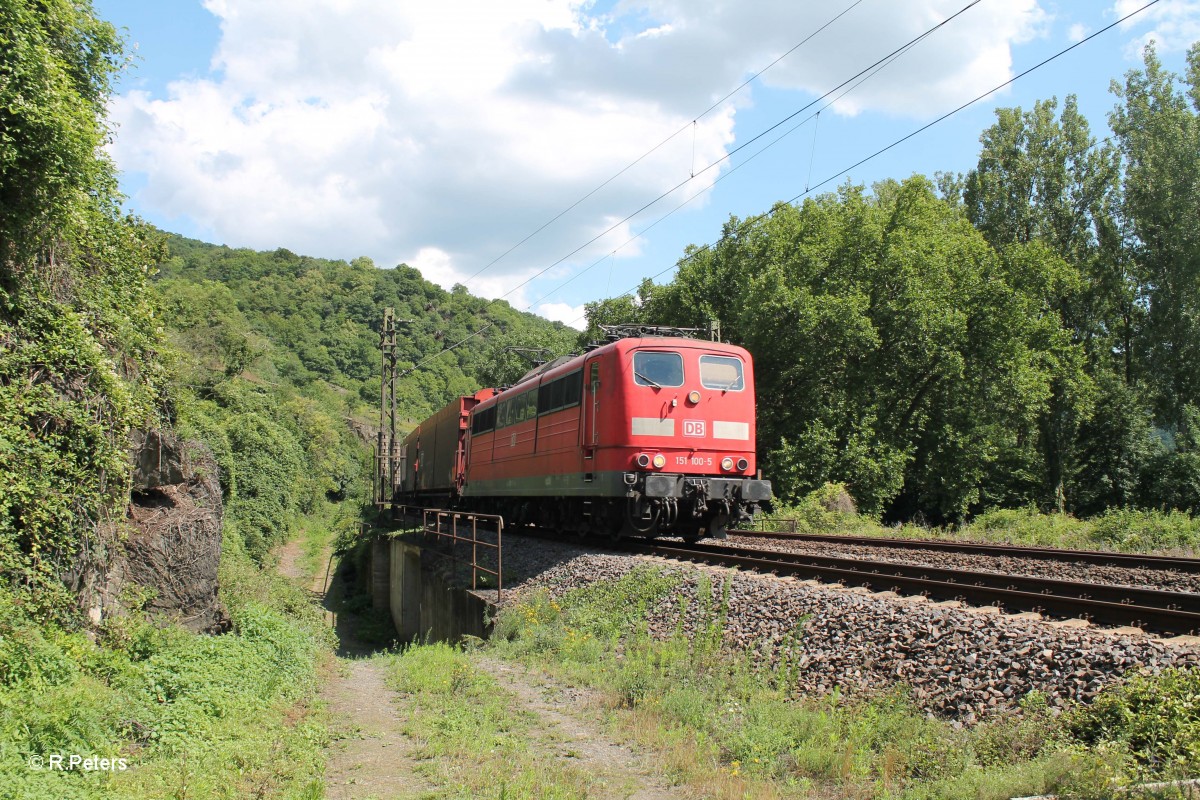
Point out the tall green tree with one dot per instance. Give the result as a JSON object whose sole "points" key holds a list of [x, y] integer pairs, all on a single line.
{"points": [[1157, 126], [1158, 129], [895, 351], [1044, 188]]}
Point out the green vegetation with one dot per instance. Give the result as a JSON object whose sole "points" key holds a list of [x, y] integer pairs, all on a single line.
{"points": [[83, 360], [1023, 336], [193, 716], [829, 510], [314, 324], [951, 354], [474, 739], [1152, 723], [720, 722], [79, 343]]}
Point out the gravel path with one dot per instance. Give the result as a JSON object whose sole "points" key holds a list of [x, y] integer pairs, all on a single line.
{"points": [[571, 732], [1005, 565], [960, 663]]}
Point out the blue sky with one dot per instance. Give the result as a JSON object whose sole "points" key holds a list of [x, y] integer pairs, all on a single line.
{"points": [[440, 134]]}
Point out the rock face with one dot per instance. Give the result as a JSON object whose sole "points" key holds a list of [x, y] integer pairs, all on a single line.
{"points": [[174, 541]]}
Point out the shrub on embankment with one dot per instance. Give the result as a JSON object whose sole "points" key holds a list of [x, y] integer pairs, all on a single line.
{"points": [[830, 510]]}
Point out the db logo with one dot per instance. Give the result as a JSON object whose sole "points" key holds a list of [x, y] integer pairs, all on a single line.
{"points": [[693, 427]]}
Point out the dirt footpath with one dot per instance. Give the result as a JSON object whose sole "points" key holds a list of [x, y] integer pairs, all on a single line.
{"points": [[571, 728], [369, 757]]}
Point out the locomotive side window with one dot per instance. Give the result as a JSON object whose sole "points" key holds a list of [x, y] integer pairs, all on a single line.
{"points": [[657, 369], [560, 393], [721, 372], [484, 421], [517, 409], [572, 388]]}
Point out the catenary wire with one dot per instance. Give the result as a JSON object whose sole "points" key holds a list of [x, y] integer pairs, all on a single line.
{"points": [[859, 76], [868, 71], [856, 77], [813, 117], [751, 221], [656, 147]]}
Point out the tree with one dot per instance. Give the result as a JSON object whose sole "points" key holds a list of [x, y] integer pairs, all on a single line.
{"points": [[1158, 130], [55, 75], [895, 351], [622, 310], [1043, 182]]}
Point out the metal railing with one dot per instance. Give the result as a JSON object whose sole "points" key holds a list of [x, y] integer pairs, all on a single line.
{"points": [[462, 529]]}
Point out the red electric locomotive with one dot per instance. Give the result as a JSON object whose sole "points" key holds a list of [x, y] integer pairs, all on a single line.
{"points": [[646, 434]]}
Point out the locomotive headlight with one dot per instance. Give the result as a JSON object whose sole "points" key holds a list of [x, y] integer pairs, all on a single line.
{"points": [[743, 465], [643, 460], [693, 397], [660, 461], [727, 463]]}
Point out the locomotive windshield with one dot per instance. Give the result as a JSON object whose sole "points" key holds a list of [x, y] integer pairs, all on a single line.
{"points": [[721, 372], [658, 369]]}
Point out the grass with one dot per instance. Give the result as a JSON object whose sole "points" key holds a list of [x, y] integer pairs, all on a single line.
{"points": [[317, 533], [727, 727], [193, 716], [474, 739], [1118, 529]]}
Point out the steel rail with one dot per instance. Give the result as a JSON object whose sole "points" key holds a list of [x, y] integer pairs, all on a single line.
{"points": [[1154, 609], [1100, 557]]}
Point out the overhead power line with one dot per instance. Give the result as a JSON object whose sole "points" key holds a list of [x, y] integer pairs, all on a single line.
{"points": [[812, 117], [658, 146], [852, 81], [858, 76], [751, 221]]}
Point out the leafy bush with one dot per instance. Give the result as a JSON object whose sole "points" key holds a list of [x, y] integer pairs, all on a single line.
{"points": [[1028, 526], [1155, 719], [210, 713], [1128, 529], [827, 509]]}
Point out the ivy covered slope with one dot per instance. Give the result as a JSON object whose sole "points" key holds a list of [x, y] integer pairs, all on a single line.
{"points": [[79, 342], [84, 360]]}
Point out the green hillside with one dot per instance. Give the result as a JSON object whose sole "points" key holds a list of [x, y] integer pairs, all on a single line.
{"points": [[308, 321]]}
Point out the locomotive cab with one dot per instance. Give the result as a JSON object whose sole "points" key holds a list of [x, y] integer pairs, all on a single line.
{"points": [[687, 444], [646, 434]]}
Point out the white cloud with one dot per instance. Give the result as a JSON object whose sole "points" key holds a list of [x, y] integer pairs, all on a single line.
{"points": [[441, 133], [1077, 32], [1176, 24], [564, 313]]}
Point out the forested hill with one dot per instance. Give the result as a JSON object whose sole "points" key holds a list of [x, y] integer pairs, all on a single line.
{"points": [[304, 321]]}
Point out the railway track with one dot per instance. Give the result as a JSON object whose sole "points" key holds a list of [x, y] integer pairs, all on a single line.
{"points": [[1097, 557], [1158, 610], [1150, 609]]}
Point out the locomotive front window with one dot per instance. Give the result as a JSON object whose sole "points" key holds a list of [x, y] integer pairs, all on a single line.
{"points": [[657, 369], [721, 372]]}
